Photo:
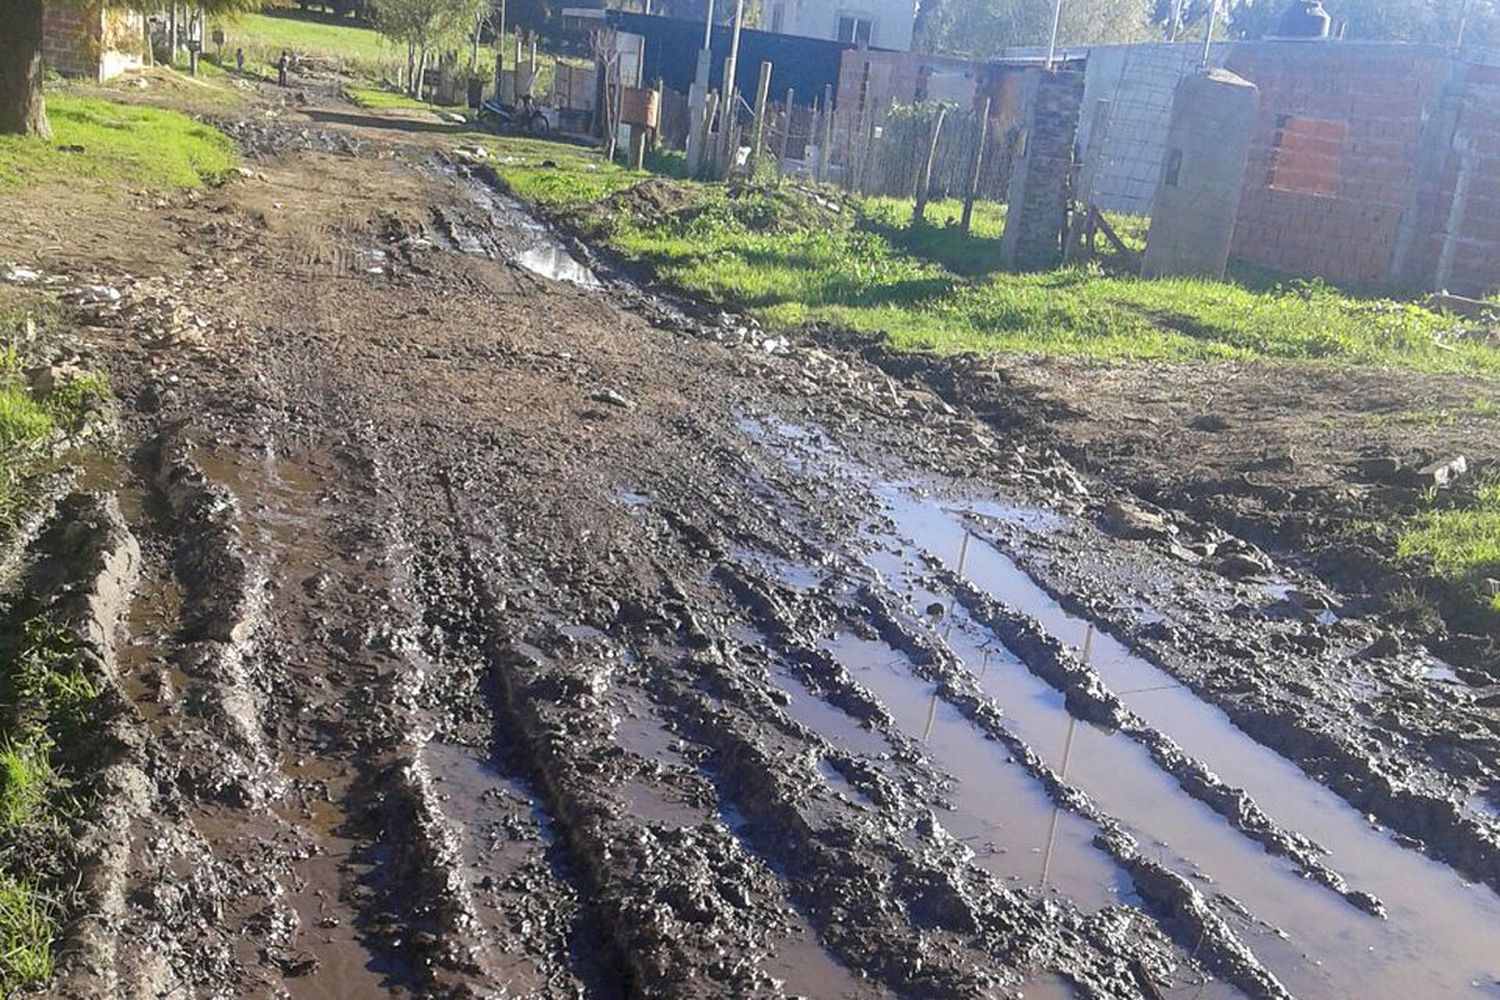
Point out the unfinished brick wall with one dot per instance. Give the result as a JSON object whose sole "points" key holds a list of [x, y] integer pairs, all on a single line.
{"points": [[71, 39], [1334, 155]]}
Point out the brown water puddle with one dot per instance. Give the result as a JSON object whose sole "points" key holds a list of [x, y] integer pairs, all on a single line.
{"points": [[998, 809]]}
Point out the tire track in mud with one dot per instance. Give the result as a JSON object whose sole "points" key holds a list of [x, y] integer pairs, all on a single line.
{"points": [[1082, 695], [588, 694]]}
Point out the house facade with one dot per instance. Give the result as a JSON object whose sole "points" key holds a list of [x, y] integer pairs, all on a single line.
{"points": [[880, 24], [93, 42]]}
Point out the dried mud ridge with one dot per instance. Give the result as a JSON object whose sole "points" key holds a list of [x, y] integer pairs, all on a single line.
{"points": [[489, 635]]}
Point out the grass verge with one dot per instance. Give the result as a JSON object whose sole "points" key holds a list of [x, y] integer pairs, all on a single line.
{"points": [[860, 265], [102, 140]]}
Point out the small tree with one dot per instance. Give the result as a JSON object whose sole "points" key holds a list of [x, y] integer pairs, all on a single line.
{"points": [[23, 111], [421, 24]]}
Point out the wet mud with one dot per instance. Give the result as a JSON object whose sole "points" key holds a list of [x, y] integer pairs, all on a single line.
{"points": [[505, 629]]}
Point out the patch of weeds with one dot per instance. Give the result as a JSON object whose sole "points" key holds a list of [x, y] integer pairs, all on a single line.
{"points": [[23, 421], [1414, 610], [377, 99], [28, 927], [1460, 544], [26, 779], [46, 736], [71, 402]]}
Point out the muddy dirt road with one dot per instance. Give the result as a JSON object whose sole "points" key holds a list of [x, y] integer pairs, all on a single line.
{"points": [[503, 629]]}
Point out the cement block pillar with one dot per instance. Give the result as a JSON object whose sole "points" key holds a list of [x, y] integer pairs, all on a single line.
{"points": [[1203, 173], [1041, 180]]}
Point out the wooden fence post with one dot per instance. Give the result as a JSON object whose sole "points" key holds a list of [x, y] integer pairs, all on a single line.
{"points": [[924, 182], [758, 135], [825, 137], [976, 164], [710, 108], [786, 132]]}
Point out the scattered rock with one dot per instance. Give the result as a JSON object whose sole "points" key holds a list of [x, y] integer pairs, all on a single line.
{"points": [[1130, 521], [612, 398]]}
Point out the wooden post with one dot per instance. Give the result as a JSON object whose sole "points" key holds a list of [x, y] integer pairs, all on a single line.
{"points": [[976, 164], [786, 132], [825, 137], [758, 135], [515, 69], [919, 210], [499, 51], [637, 147], [710, 107]]}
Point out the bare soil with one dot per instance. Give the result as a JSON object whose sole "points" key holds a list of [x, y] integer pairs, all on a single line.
{"points": [[496, 635]]}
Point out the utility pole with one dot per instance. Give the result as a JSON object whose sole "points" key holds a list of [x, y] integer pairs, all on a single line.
{"points": [[727, 104], [1056, 22], [1208, 34], [698, 95], [1176, 25]]}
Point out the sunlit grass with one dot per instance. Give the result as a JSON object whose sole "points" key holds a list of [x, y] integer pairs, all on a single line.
{"points": [[1461, 545], [107, 141], [28, 927]]}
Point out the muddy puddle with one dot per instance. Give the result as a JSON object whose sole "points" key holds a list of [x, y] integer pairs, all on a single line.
{"points": [[1442, 937], [514, 234], [997, 808], [807, 969]]}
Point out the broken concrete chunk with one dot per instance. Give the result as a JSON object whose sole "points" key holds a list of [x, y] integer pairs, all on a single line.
{"points": [[1443, 471]]}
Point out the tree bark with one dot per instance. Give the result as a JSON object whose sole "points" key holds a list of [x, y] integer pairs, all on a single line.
{"points": [[21, 109]]}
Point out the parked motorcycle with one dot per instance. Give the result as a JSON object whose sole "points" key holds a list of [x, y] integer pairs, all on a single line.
{"points": [[524, 118]]}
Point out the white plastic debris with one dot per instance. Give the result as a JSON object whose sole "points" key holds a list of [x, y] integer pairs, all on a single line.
{"points": [[98, 293], [18, 275]]}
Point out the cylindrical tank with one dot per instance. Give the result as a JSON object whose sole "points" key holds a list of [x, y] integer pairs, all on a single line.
{"points": [[1303, 19]]}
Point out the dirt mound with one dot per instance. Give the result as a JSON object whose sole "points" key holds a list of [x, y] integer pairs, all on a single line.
{"points": [[654, 199]]}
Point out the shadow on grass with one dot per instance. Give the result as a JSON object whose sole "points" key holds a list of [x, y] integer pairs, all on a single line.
{"points": [[947, 246]]}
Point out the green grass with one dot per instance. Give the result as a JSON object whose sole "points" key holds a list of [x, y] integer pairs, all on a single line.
{"points": [[28, 927], [370, 97], [357, 50], [23, 421], [47, 735], [26, 778], [131, 144], [1461, 545], [936, 288]]}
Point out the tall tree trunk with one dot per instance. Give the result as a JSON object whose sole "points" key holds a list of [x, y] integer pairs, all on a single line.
{"points": [[411, 68], [21, 109], [421, 72]]}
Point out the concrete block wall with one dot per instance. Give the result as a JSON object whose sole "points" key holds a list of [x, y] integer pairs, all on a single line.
{"points": [[1334, 155], [1451, 239]]}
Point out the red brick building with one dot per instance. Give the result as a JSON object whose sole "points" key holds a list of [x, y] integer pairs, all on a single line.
{"points": [[92, 41]]}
